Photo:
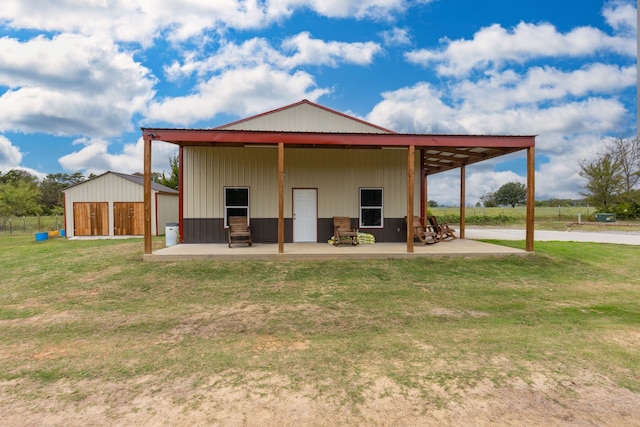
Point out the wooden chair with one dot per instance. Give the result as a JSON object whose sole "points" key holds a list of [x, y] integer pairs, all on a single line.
{"points": [[343, 232], [443, 231], [425, 235], [239, 230]]}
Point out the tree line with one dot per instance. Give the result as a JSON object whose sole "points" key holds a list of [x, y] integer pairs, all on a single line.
{"points": [[23, 194], [612, 182], [612, 185]]}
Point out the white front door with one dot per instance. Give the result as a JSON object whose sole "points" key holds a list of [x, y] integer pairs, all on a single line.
{"points": [[305, 215]]}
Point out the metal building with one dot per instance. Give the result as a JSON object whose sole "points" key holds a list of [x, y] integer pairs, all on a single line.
{"points": [[112, 204]]}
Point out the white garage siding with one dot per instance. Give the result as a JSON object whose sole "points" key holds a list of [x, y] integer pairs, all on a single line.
{"points": [[111, 188]]}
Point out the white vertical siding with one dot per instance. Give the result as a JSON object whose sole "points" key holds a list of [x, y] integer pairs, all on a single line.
{"points": [[338, 174], [105, 188]]}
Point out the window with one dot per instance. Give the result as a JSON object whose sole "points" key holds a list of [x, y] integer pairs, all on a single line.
{"points": [[236, 203], [371, 208]]}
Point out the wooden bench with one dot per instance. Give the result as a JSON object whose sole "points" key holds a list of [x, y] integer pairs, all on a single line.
{"points": [[425, 235], [343, 232], [239, 230], [444, 231]]}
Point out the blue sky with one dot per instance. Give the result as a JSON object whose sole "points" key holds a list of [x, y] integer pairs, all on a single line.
{"points": [[79, 78]]}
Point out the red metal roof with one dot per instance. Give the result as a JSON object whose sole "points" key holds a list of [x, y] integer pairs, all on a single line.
{"points": [[441, 152]]}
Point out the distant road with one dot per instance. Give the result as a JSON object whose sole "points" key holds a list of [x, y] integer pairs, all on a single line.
{"points": [[622, 238]]}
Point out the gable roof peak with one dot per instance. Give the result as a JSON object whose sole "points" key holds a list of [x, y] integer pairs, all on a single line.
{"points": [[304, 116]]}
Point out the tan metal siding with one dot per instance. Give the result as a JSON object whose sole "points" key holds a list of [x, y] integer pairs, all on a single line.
{"points": [[207, 170], [304, 118], [167, 211], [338, 174]]}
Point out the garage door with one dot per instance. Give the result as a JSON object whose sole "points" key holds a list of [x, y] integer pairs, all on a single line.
{"points": [[91, 219], [128, 218]]}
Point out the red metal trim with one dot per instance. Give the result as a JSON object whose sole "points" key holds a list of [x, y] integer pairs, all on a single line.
{"points": [[212, 136]]}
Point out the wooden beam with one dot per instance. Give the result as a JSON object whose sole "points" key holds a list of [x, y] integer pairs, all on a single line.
{"points": [[147, 197], [280, 198], [410, 186], [463, 199], [531, 198]]}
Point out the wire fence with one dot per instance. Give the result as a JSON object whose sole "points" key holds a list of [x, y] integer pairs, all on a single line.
{"points": [[474, 215], [31, 224]]}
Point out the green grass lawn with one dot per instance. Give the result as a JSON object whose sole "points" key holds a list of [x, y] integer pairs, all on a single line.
{"points": [[93, 310]]}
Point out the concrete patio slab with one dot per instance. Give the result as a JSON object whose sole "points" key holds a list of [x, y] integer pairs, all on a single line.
{"points": [[324, 251]]}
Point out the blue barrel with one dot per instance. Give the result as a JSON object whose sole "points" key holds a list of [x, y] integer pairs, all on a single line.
{"points": [[62, 234], [42, 236]]}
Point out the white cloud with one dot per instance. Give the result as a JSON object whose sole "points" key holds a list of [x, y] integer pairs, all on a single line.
{"points": [[241, 91], [318, 52], [508, 88], [144, 20], [121, 20], [296, 51], [396, 37], [70, 85], [94, 157], [359, 9], [495, 45], [10, 155], [622, 17], [11, 158], [419, 108]]}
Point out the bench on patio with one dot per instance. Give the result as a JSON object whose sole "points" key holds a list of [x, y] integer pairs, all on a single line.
{"points": [[239, 230], [343, 232]]}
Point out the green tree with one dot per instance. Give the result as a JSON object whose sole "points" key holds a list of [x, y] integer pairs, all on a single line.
{"points": [[605, 182], [626, 153], [15, 176], [51, 187], [171, 181], [432, 204], [512, 194], [489, 200], [19, 199]]}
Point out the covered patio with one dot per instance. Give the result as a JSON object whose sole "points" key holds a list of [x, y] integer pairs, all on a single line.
{"points": [[425, 155]]}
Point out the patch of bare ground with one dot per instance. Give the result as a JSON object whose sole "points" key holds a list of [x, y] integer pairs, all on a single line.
{"points": [[269, 401]]}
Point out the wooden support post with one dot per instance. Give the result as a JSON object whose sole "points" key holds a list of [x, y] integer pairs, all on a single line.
{"points": [[147, 197], [410, 186], [426, 197], [463, 199], [280, 197], [180, 195], [531, 198], [423, 186]]}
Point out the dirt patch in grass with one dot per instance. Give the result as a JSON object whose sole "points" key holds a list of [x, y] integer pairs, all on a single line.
{"points": [[270, 401]]}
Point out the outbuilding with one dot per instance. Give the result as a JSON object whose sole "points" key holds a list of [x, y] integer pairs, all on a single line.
{"points": [[112, 204]]}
